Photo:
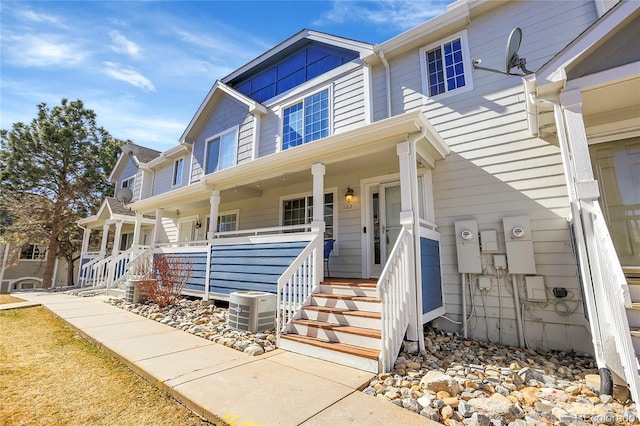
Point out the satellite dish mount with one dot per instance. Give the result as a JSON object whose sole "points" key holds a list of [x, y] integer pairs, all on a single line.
{"points": [[512, 60], [130, 149]]}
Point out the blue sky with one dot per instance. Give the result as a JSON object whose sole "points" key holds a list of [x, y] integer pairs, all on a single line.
{"points": [[145, 67]]}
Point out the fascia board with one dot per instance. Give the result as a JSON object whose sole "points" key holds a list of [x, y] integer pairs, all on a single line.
{"points": [[183, 148], [118, 164], [554, 71], [175, 196]]}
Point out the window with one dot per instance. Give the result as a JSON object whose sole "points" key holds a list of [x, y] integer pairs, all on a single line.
{"points": [[299, 211], [445, 66], [306, 121], [128, 183], [177, 172], [33, 252], [227, 221], [221, 151], [300, 66]]}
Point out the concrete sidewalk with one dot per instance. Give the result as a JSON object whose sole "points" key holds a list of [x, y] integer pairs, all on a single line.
{"points": [[277, 388]]}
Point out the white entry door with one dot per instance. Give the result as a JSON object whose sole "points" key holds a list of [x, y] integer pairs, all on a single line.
{"points": [[385, 210]]}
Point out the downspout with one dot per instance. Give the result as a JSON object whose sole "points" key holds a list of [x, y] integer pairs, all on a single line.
{"points": [[606, 381], [380, 53]]}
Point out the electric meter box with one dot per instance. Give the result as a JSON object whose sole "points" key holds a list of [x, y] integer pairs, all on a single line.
{"points": [[519, 245], [468, 247]]}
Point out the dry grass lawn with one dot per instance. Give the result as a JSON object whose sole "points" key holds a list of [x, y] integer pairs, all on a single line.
{"points": [[49, 375], [7, 298]]}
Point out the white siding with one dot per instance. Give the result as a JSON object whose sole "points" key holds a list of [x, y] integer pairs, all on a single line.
{"points": [[228, 113], [348, 107], [496, 169]]}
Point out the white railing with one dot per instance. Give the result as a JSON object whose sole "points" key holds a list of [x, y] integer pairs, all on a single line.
{"points": [[137, 264], [298, 282], [86, 276], [394, 290], [614, 297], [109, 270], [259, 231]]}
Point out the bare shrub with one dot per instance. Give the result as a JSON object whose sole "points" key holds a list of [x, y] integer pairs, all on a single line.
{"points": [[164, 279]]}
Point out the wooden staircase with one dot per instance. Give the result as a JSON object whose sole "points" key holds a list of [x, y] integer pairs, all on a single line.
{"points": [[341, 325]]}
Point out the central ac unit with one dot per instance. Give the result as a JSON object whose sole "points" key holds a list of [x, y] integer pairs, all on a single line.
{"points": [[252, 311]]}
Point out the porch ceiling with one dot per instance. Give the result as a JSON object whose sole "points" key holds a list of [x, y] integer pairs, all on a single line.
{"points": [[369, 146]]}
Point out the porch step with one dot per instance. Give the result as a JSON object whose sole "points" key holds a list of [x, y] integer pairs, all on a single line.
{"points": [[364, 288], [352, 356], [634, 289], [342, 301], [343, 316], [342, 324]]}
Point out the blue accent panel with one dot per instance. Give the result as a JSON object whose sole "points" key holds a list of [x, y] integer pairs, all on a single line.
{"points": [[431, 276], [297, 64], [242, 267], [198, 268]]}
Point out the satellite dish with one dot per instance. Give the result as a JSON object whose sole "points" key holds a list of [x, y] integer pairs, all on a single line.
{"points": [[512, 60], [124, 195], [513, 45], [130, 149]]}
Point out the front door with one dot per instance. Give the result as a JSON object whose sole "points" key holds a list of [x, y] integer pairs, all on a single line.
{"points": [[616, 166], [385, 220]]}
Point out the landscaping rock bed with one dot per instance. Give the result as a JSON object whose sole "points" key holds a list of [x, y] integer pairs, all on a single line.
{"points": [[454, 381]]}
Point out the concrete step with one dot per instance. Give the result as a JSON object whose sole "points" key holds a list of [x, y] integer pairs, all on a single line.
{"points": [[354, 336], [352, 303], [340, 353], [343, 316]]}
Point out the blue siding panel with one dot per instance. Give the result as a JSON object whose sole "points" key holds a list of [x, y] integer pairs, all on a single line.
{"points": [[257, 267], [431, 275], [198, 269]]}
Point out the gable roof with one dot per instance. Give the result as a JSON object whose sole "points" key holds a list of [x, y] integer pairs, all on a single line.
{"points": [[553, 74], [144, 155], [219, 89]]}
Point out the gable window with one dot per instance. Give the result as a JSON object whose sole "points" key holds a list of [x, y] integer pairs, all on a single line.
{"points": [[299, 211], [306, 121], [128, 183], [220, 151], [446, 66], [178, 166]]}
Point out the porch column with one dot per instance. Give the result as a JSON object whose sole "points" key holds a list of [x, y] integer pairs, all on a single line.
{"points": [[116, 239], [317, 224], [586, 186], [85, 242], [214, 208], [157, 227], [103, 243], [136, 229], [408, 187]]}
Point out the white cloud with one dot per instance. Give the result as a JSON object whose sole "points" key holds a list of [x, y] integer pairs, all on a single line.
{"points": [[400, 14], [41, 18], [129, 75], [123, 45], [42, 50]]}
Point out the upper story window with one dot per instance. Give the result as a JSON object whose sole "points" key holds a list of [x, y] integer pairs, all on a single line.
{"points": [[306, 120], [446, 66], [128, 183], [178, 167], [220, 151], [33, 252], [302, 65]]}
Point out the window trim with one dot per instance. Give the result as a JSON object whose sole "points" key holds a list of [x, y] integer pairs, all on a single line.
{"points": [[32, 258], [130, 178], [219, 136], [177, 179], [300, 99], [207, 221], [466, 63], [305, 195]]}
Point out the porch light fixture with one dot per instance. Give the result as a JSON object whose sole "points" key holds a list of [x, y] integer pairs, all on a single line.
{"points": [[198, 224], [348, 196]]}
